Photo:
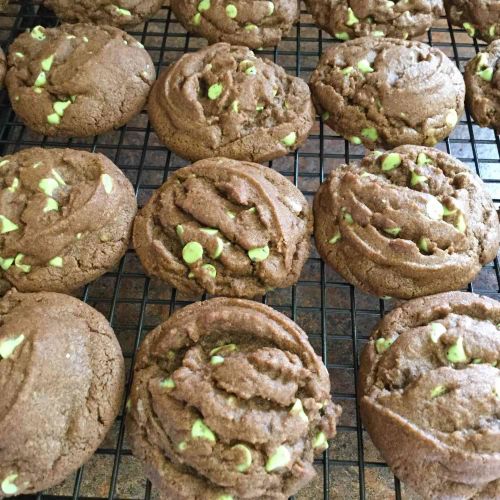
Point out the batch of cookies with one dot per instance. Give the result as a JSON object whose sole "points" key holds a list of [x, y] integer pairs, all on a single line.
{"points": [[229, 400]]}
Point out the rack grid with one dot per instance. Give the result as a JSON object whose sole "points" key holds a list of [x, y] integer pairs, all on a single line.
{"points": [[337, 317]]}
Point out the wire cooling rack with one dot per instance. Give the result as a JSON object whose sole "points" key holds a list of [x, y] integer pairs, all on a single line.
{"points": [[337, 317]]}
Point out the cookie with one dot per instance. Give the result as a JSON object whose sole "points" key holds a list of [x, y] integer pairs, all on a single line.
{"points": [[61, 380], [65, 218], [229, 400], [224, 101], [480, 18], [346, 19], [482, 80], [78, 80], [410, 222], [430, 395], [387, 92], [120, 13], [3, 67], [253, 24], [225, 227]]}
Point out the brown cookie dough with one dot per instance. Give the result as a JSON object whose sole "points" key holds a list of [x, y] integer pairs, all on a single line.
{"points": [[226, 227], [120, 13], [430, 395], [482, 79], [78, 80], [229, 401], [239, 22], [224, 101], [61, 381], [65, 218], [346, 19], [387, 92], [410, 222], [480, 18], [3, 67]]}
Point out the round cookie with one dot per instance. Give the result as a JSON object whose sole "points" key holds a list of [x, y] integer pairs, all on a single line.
{"points": [[346, 19], [430, 395], [225, 227], [238, 22], [387, 92], [61, 380], [224, 101], [229, 400], [65, 218], [482, 79], [78, 80], [410, 222], [480, 18], [120, 13]]}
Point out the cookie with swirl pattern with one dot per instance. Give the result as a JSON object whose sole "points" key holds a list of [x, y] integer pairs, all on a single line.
{"points": [[224, 101], [239, 22], [413, 221], [229, 401], [225, 227], [347, 19], [430, 395], [388, 92], [65, 218]]}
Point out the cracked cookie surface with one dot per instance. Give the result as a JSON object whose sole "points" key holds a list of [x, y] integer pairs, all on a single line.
{"points": [[119, 13], [77, 80], [225, 227], [388, 92], [430, 395], [224, 101], [238, 22], [346, 19], [410, 222], [61, 380], [65, 218], [229, 400], [482, 78]]}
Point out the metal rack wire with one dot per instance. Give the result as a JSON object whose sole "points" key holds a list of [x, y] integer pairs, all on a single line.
{"points": [[337, 317]]}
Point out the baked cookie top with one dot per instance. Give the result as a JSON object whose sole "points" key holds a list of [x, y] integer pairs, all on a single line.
{"points": [[482, 80], [387, 92], [229, 401], [224, 101], [78, 79], [238, 22], [120, 13], [65, 218], [61, 380], [410, 222], [430, 392], [346, 19], [480, 18], [225, 227]]}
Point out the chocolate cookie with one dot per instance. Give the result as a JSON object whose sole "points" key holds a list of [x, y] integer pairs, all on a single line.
{"points": [[61, 380], [413, 221], [480, 18], [224, 101], [65, 218], [78, 80], [253, 24], [226, 227], [346, 19], [229, 400], [388, 92], [430, 395], [482, 80], [121, 13]]}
